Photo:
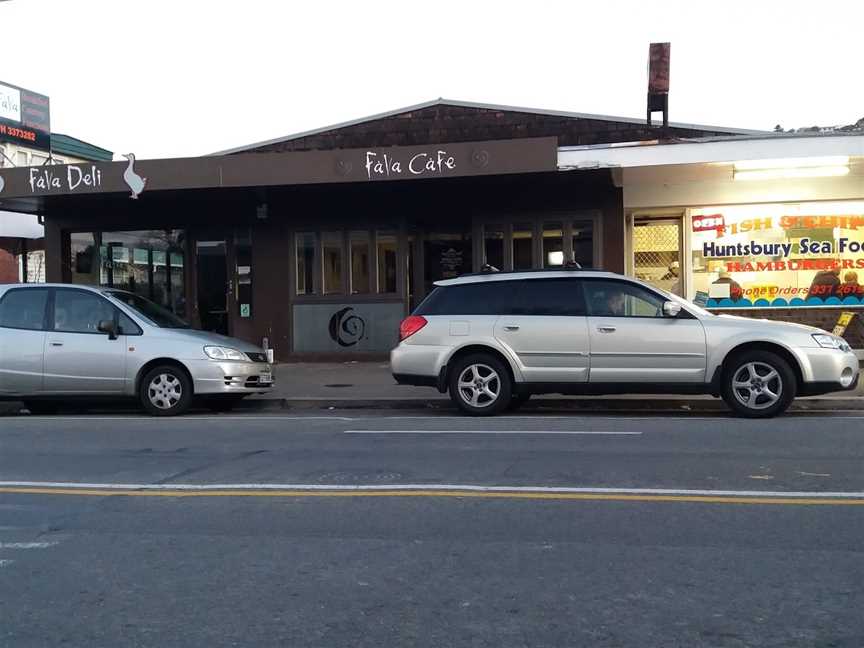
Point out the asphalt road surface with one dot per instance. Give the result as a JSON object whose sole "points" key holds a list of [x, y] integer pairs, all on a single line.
{"points": [[372, 529]]}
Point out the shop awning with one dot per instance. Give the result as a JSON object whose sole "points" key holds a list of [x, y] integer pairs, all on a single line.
{"points": [[711, 150], [13, 225]]}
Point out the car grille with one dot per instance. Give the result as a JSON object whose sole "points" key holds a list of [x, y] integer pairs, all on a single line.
{"points": [[257, 357]]}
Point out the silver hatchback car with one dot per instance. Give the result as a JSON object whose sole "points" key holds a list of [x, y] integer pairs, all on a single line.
{"points": [[59, 342], [494, 339]]}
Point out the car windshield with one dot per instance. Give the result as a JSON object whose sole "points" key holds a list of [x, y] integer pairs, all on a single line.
{"points": [[153, 313]]}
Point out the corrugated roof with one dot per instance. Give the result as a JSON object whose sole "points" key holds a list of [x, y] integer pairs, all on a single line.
{"points": [[486, 106], [68, 145]]}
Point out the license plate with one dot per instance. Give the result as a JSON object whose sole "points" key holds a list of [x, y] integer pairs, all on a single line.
{"points": [[265, 378]]}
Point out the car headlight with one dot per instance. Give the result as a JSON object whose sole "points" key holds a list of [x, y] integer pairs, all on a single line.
{"points": [[225, 353], [830, 341]]}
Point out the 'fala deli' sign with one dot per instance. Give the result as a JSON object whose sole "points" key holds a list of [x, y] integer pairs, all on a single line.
{"points": [[46, 178]]}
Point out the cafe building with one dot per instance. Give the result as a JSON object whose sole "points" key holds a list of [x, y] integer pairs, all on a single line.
{"points": [[768, 226], [321, 242]]}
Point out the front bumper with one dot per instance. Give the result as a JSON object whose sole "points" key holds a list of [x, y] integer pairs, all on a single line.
{"points": [[215, 377], [830, 370]]}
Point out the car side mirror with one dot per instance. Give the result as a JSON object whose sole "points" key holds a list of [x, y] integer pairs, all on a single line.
{"points": [[671, 309], [109, 327]]}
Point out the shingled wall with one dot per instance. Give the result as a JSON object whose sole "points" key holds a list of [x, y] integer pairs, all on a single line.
{"points": [[450, 123]]}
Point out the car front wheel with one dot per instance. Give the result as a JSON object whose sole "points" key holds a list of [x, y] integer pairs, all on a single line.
{"points": [[165, 390], [480, 385], [758, 384]]}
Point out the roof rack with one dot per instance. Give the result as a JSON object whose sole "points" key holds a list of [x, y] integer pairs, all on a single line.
{"points": [[487, 269]]}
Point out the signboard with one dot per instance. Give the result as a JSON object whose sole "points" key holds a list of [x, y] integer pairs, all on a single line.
{"points": [[779, 255], [708, 223], [349, 327], [842, 323], [25, 117], [140, 177]]}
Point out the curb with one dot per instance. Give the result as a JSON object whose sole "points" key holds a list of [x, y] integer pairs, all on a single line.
{"points": [[539, 404]]}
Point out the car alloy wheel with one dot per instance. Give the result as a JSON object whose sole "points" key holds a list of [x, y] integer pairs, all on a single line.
{"points": [[479, 385], [757, 385]]}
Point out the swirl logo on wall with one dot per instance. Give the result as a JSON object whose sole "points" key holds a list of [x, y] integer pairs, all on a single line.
{"points": [[347, 328]]}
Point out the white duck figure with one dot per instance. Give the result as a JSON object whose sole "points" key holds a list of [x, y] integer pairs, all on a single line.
{"points": [[136, 182]]}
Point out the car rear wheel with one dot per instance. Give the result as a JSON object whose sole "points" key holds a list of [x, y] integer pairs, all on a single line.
{"points": [[480, 385], [165, 391], [758, 384]]}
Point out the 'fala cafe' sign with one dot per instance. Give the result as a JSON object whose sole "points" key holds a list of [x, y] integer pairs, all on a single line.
{"points": [[385, 165]]}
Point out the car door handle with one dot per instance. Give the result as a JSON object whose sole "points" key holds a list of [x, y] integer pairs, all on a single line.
{"points": [[511, 327], [56, 343], [606, 329]]}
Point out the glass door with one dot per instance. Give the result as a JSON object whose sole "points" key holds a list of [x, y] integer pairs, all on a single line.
{"points": [[213, 285], [657, 244]]}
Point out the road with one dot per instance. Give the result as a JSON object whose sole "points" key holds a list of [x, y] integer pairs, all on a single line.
{"points": [[371, 529]]}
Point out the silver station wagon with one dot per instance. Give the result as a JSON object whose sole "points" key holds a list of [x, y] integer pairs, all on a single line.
{"points": [[59, 342], [494, 339]]}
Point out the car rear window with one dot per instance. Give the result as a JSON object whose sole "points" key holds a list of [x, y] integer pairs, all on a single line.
{"points": [[24, 308], [560, 296]]}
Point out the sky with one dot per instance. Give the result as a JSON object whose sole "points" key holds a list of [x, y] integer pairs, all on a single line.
{"points": [[189, 77]]}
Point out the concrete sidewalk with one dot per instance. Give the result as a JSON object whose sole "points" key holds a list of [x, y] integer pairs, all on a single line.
{"points": [[370, 384]]}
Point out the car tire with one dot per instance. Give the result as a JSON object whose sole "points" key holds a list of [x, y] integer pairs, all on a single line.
{"points": [[222, 403], [758, 384], [480, 385], [42, 408], [517, 401], [165, 390]]}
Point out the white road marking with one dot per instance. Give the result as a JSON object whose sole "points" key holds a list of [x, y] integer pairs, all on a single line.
{"points": [[432, 487], [180, 419], [413, 432], [26, 545]]}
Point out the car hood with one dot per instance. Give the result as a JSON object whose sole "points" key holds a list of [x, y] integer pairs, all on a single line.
{"points": [[206, 337], [749, 322]]}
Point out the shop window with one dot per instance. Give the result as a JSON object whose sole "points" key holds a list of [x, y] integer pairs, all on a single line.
{"points": [[137, 261], [331, 254], [493, 246], [243, 263], [385, 242], [553, 245], [583, 243], [305, 263], [523, 238], [778, 255], [360, 262]]}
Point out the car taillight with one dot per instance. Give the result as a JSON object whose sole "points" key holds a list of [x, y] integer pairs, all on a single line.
{"points": [[410, 325]]}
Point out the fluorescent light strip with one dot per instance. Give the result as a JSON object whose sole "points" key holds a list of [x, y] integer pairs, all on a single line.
{"points": [[796, 172], [791, 163]]}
